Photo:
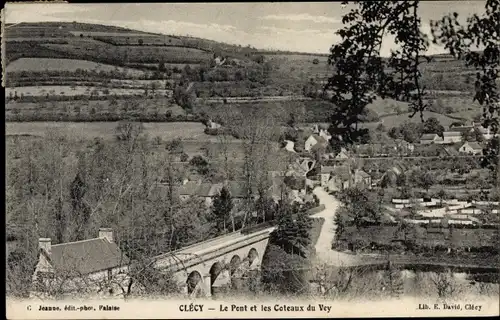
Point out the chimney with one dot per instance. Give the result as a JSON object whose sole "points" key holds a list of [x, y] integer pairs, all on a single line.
{"points": [[46, 244], [106, 233]]}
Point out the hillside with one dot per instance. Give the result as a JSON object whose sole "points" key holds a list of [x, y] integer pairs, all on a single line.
{"points": [[62, 61]]}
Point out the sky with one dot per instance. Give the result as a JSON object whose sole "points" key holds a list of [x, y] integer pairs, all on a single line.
{"points": [[297, 26]]}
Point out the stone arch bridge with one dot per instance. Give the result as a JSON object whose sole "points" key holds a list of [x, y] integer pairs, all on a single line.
{"points": [[205, 266]]}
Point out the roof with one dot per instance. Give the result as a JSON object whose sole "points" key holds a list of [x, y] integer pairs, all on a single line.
{"points": [[86, 256], [319, 138], [428, 136], [450, 151], [237, 189], [189, 188], [463, 129], [363, 174], [327, 169], [207, 190], [475, 145], [452, 134], [342, 172], [318, 146]]}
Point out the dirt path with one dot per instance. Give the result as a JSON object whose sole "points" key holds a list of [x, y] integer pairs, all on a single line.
{"points": [[324, 251]]}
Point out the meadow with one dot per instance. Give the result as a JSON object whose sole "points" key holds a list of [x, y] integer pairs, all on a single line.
{"points": [[106, 130], [47, 64], [38, 91]]}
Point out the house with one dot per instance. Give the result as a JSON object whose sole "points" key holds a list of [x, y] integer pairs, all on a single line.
{"points": [[343, 154], [362, 179], [313, 140], [430, 138], [74, 266], [213, 125], [472, 148], [289, 146], [188, 189], [325, 174], [335, 178], [404, 147], [292, 188], [486, 132], [463, 129], [301, 167], [447, 151], [325, 134], [207, 191], [450, 137]]}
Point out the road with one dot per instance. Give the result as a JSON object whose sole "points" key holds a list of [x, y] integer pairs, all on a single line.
{"points": [[324, 251]]}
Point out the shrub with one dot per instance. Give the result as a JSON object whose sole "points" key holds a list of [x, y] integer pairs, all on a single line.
{"points": [[184, 157]]}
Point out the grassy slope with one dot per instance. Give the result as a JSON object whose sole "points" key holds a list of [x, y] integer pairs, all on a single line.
{"points": [[290, 70]]}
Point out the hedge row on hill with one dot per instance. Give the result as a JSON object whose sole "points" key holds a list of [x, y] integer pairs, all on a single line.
{"points": [[108, 117]]}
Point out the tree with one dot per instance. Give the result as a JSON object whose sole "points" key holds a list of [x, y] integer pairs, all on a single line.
{"points": [[360, 73], [426, 180], [490, 159], [392, 281], [468, 136], [175, 146], [200, 164], [128, 131], [81, 211], [432, 125], [293, 231], [361, 207], [222, 208]]}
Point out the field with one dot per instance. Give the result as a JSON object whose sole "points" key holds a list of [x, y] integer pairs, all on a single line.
{"points": [[396, 120], [296, 67], [46, 64], [138, 54], [79, 90], [384, 235], [105, 130]]}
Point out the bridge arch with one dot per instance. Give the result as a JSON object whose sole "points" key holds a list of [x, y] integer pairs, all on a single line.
{"points": [[194, 284], [234, 264], [253, 257]]}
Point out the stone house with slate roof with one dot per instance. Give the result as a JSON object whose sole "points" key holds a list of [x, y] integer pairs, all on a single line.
{"points": [[92, 265]]}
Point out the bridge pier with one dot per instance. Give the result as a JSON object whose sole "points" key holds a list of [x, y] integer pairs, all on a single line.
{"points": [[207, 285]]}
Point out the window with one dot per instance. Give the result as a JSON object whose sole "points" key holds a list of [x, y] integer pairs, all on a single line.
{"points": [[110, 274]]}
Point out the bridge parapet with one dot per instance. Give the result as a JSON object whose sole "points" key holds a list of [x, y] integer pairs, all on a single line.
{"points": [[206, 252]]}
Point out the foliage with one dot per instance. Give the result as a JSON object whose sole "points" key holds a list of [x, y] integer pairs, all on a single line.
{"points": [[175, 146], [490, 159], [409, 131], [222, 208], [200, 164], [128, 131], [113, 184], [361, 207], [360, 72], [423, 179], [293, 231], [432, 125]]}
